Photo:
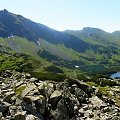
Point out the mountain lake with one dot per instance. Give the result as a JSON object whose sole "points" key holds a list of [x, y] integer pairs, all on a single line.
{"points": [[115, 75]]}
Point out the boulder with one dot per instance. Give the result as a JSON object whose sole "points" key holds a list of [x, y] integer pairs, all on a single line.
{"points": [[30, 117], [87, 89], [0, 91], [19, 84], [27, 76], [4, 107], [41, 88], [81, 112], [13, 110], [31, 98], [106, 109], [48, 100], [34, 92], [46, 88], [97, 102], [81, 95], [61, 113], [55, 97], [29, 107], [36, 103], [20, 116], [7, 73], [33, 79], [50, 89], [28, 88], [8, 96]]}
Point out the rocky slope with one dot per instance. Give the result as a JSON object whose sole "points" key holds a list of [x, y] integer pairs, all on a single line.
{"points": [[23, 97]]}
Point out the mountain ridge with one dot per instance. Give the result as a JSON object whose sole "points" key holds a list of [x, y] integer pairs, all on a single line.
{"points": [[33, 31]]}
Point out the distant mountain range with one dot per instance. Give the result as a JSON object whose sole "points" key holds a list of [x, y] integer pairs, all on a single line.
{"points": [[91, 49]]}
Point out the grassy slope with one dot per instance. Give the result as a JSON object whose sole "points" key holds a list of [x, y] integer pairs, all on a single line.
{"points": [[20, 62], [22, 45], [89, 60], [60, 50], [107, 53]]}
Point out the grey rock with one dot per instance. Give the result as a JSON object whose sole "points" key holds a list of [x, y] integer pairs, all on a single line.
{"points": [[68, 100], [4, 106], [13, 110], [20, 116], [33, 79], [30, 117], [86, 107], [35, 103], [97, 102], [18, 101], [106, 109], [81, 112], [87, 89], [31, 98], [0, 91], [28, 88], [34, 92], [91, 115], [19, 84], [41, 88], [27, 76], [30, 107], [50, 89], [61, 113], [55, 97], [8, 96]]}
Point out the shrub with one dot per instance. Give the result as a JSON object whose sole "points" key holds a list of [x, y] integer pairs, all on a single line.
{"points": [[49, 76], [53, 69]]}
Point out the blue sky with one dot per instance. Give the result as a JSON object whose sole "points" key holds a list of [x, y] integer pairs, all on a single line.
{"points": [[68, 14]]}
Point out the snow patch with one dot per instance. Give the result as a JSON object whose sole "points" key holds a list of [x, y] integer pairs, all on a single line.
{"points": [[38, 43]]}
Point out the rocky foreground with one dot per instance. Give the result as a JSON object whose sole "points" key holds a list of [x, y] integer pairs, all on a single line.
{"points": [[23, 97]]}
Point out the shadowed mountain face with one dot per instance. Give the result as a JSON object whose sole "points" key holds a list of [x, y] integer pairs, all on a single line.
{"points": [[22, 27]]}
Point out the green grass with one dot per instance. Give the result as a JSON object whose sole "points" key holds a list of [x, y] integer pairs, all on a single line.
{"points": [[60, 50], [90, 61], [22, 45], [92, 84]]}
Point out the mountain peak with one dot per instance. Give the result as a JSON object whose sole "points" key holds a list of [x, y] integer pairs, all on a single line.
{"points": [[5, 10]]}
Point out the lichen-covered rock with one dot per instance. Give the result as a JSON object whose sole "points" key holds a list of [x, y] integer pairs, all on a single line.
{"points": [[28, 88]]}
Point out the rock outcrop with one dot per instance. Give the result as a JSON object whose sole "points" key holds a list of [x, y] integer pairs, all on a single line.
{"points": [[25, 98]]}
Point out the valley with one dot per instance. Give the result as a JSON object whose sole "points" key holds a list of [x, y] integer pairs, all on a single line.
{"points": [[92, 49]]}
